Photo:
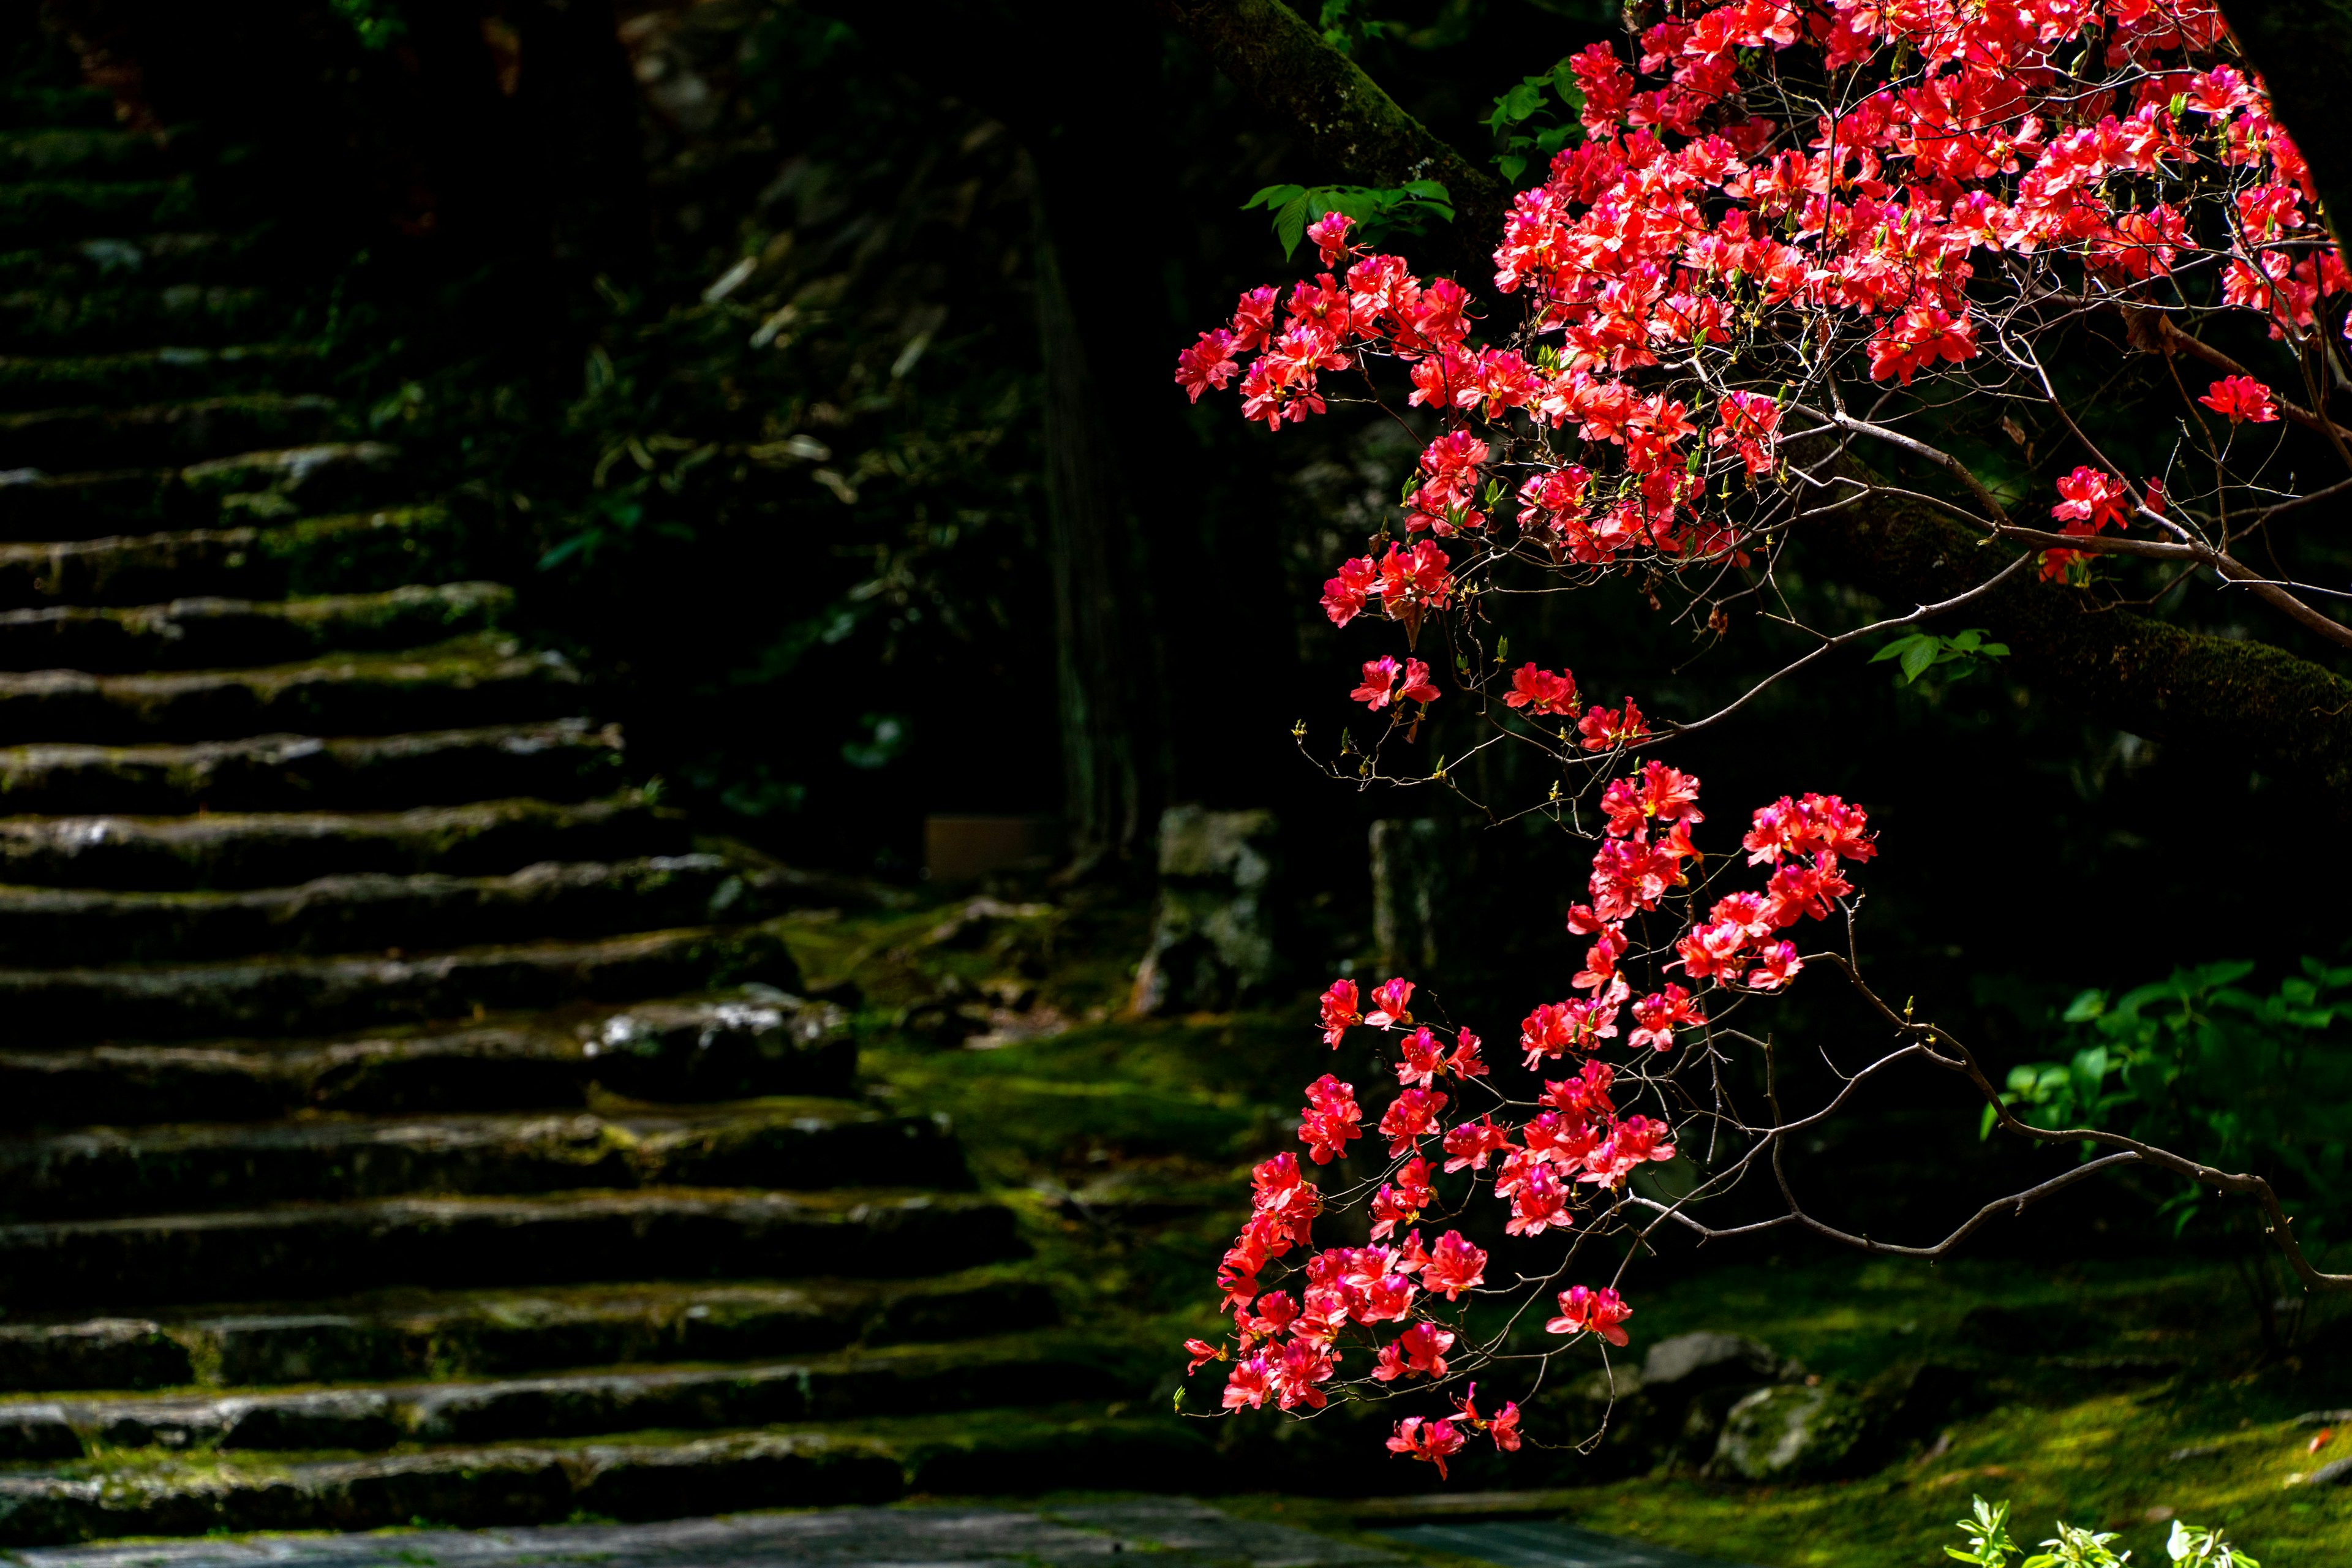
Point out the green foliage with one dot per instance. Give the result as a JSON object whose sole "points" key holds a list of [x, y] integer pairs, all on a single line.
{"points": [[1990, 1546], [2200, 1547], [1346, 28], [1401, 209], [1987, 1532], [378, 23], [785, 511], [2197, 1063], [1960, 655], [2076, 1547], [1539, 116]]}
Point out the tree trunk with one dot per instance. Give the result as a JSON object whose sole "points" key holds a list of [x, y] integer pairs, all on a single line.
{"points": [[1104, 689], [2303, 51]]}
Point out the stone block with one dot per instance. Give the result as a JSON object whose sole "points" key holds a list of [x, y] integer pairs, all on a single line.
{"points": [[1213, 940]]}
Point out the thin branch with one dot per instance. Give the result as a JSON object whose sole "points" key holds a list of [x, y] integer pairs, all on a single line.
{"points": [[2221, 561]]}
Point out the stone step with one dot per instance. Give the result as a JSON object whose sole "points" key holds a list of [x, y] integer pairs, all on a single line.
{"points": [[649, 1477], [295, 1251], [38, 107], [198, 634], [465, 682], [86, 152], [174, 434], [904, 1380], [350, 552], [730, 1045], [143, 313], [35, 211], [291, 996], [267, 252], [270, 850], [409, 1334], [381, 911], [567, 760], [29, 381], [248, 487], [801, 1143]]}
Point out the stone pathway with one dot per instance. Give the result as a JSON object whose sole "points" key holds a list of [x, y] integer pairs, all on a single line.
{"points": [[403, 1116], [1544, 1544], [1175, 1533]]}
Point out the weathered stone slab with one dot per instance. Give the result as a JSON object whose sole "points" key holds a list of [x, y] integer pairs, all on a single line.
{"points": [[308, 1250]]}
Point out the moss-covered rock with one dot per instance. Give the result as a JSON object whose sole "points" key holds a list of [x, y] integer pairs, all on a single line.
{"points": [[1790, 1432]]}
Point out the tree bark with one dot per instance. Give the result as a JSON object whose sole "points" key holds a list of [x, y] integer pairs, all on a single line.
{"points": [[2288, 715], [2285, 714], [2303, 51], [1091, 546]]}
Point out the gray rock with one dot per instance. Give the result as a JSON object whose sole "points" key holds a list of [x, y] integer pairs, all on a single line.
{"points": [[1689, 1362], [38, 1432], [1788, 1432], [1671, 1408], [1213, 942], [2335, 1473]]}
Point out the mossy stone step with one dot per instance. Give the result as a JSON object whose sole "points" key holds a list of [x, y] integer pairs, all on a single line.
{"points": [[30, 104], [900, 1381], [411, 1335], [250, 488], [34, 211], [268, 849], [81, 150], [568, 759], [141, 314], [174, 434], [486, 678], [378, 911], [791, 1143], [213, 633], [310, 1250], [264, 253], [731, 1046], [1008, 1451], [282, 996], [30, 382], [351, 553]]}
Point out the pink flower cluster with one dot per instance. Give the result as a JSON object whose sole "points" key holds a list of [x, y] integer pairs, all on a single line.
{"points": [[1689, 223], [1570, 1152]]}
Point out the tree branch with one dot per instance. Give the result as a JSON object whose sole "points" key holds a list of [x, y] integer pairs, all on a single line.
{"points": [[2287, 714]]}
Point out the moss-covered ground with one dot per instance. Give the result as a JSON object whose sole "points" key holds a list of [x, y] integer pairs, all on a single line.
{"points": [[2128, 1391]]}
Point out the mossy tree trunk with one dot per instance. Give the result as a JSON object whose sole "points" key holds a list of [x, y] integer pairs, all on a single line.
{"points": [[1102, 663]]}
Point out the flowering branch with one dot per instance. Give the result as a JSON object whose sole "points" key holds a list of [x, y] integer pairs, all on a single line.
{"points": [[1774, 209]]}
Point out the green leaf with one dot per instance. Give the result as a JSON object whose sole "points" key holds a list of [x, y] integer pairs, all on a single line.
{"points": [[1523, 101], [1274, 196], [1917, 657], [2086, 1007], [1290, 225], [1512, 165], [1895, 649]]}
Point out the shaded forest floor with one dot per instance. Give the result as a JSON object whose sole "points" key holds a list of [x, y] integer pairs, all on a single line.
{"points": [[2119, 1393]]}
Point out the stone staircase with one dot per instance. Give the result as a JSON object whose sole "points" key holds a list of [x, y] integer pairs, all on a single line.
{"points": [[401, 1118]]}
